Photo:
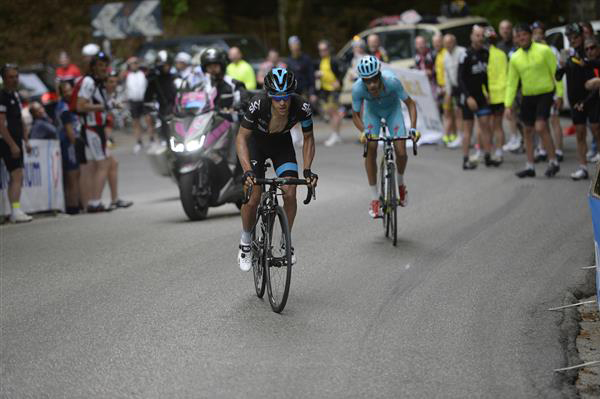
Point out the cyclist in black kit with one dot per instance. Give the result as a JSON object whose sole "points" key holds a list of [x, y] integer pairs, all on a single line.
{"points": [[473, 82], [265, 134]]}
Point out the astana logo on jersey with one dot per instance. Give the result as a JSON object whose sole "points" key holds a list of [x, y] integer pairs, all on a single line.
{"points": [[306, 108], [254, 106]]}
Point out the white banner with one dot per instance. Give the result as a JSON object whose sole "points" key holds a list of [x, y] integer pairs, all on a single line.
{"points": [[42, 179], [417, 86]]}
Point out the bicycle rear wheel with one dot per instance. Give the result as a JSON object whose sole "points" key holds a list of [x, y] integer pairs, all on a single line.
{"points": [[393, 204], [258, 255], [278, 259], [382, 198]]}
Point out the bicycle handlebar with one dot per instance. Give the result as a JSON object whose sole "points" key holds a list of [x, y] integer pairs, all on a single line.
{"points": [[391, 139], [283, 181]]}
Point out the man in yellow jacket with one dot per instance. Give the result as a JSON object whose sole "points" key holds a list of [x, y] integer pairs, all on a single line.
{"points": [[534, 65], [497, 71], [240, 70]]}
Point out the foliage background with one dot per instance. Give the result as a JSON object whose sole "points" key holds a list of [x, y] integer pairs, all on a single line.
{"points": [[33, 31]]}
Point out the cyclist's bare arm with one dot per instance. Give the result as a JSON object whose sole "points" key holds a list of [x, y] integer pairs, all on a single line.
{"points": [[412, 112], [357, 120], [241, 147], [308, 149]]}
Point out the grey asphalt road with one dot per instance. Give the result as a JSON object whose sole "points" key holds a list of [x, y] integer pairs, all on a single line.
{"points": [[142, 303]]}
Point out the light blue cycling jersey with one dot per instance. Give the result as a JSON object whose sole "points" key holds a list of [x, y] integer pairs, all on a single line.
{"points": [[386, 106]]}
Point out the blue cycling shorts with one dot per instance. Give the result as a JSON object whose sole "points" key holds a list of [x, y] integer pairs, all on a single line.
{"points": [[393, 118]]}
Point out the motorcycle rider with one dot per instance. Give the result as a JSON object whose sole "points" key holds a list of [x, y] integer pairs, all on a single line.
{"points": [[161, 89], [230, 93]]}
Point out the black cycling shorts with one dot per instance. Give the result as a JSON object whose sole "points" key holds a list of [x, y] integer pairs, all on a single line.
{"points": [[590, 113], [483, 108], [276, 147], [497, 108], [80, 151], [136, 108], [536, 108], [5, 154]]}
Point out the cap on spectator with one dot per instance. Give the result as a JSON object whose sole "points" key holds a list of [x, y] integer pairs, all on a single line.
{"points": [[523, 28], [90, 49], [183, 57], [293, 40]]}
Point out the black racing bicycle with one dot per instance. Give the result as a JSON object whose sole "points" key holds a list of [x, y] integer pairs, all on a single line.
{"points": [[271, 241], [388, 190]]}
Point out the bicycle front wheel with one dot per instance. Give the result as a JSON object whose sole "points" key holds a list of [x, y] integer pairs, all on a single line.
{"points": [[278, 259], [383, 197], [258, 258], [393, 204]]}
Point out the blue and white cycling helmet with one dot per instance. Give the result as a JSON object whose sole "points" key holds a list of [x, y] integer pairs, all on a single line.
{"points": [[280, 82], [368, 66]]}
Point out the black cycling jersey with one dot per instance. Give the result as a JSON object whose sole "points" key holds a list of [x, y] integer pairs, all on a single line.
{"points": [[258, 114], [10, 105], [472, 73], [161, 88], [578, 71]]}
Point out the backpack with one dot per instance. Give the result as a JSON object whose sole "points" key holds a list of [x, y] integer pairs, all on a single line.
{"points": [[74, 94]]}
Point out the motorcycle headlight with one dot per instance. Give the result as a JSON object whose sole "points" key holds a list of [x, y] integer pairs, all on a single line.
{"points": [[176, 147], [195, 145]]}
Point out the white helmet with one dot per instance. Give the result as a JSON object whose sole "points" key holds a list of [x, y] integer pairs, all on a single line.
{"points": [[183, 57], [90, 50]]}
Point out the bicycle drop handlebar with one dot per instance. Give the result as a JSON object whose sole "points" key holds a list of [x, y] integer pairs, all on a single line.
{"points": [[283, 181], [391, 139]]}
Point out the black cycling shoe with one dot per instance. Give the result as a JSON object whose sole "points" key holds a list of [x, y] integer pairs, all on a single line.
{"points": [[491, 162], [468, 165], [525, 173], [552, 170]]}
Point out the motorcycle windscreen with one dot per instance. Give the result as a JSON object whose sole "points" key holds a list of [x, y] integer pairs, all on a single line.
{"points": [[192, 126], [194, 101]]}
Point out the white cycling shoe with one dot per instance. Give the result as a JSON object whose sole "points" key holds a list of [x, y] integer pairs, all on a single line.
{"points": [[245, 258]]}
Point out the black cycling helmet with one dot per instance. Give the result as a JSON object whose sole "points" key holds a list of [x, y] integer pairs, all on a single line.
{"points": [[100, 56], [213, 55], [573, 29], [280, 82]]}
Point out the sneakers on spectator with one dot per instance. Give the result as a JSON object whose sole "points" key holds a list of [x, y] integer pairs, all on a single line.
{"points": [[595, 158], [245, 258], [540, 155], [456, 143], [402, 195], [120, 204], [18, 216], [514, 144], [527, 172], [552, 170], [374, 209], [559, 156], [580, 174], [489, 161], [97, 209], [333, 140], [468, 165], [476, 157]]}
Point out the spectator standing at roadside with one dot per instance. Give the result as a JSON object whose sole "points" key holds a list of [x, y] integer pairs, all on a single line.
{"points": [[302, 67], [506, 43], [69, 131], [439, 54], [584, 109], [425, 62], [93, 107], [376, 49], [272, 61], [42, 127], [588, 30], [330, 77], [14, 138], [534, 65], [452, 101], [135, 87], [161, 89], [497, 71], [538, 32], [240, 70], [359, 50], [66, 71], [113, 171]]}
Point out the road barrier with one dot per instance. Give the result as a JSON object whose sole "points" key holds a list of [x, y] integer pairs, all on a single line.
{"points": [[42, 179], [594, 199]]}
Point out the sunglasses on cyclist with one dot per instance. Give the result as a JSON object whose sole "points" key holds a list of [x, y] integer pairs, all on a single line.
{"points": [[373, 79], [280, 98]]}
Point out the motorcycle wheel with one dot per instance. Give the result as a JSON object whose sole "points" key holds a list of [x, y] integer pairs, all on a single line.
{"points": [[188, 199]]}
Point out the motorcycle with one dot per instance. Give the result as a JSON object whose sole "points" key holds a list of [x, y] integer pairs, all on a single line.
{"points": [[200, 153]]}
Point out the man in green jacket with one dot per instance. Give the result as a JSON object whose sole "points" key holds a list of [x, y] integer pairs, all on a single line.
{"points": [[534, 65], [240, 70]]}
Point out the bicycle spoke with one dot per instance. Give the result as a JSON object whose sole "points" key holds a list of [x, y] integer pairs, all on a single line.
{"points": [[278, 261]]}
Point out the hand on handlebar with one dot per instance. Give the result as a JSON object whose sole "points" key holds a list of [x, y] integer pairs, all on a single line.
{"points": [[249, 179], [414, 134], [311, 178]]}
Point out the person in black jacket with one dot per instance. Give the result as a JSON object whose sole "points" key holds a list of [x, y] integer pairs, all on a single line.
{"points": [[161, 89], [472, 79], [585, 107], [302, 67]]}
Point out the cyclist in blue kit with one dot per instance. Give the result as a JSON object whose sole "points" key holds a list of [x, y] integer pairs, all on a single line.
{"points": [[381, 93]]}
